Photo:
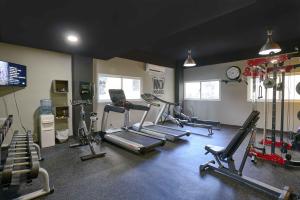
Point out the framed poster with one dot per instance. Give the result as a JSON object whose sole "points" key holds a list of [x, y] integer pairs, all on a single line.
{"points": [[158, 85]]}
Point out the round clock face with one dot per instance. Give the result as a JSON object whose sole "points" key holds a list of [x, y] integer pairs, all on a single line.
{"points": [[233, 73]]}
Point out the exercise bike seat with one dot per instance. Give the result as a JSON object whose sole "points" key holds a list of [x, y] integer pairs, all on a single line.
{"points": [[215, 150], [93, 114]]}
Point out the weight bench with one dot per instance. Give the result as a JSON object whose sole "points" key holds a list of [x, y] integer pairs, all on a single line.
{"points": [[224, 156], [214, 124], [194, 121], [207, 126]]}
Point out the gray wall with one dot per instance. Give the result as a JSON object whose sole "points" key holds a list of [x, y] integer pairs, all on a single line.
{"points": [[233, 108], [125, 67], [82, 70], [42, 68]]}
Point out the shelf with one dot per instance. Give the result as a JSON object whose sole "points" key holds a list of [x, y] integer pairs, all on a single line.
{"points": [[61, 112], [47, 122], [61, 118], [59, 97], [60, 86]]}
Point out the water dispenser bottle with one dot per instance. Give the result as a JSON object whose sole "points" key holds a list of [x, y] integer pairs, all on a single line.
{"points": [[46, 106]]}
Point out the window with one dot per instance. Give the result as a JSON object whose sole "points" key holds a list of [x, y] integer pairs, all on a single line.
{"points": [[192, 90], [105, 83], [210, 90], [289, 89], [202, 90], [130, 85], [132, 88]]}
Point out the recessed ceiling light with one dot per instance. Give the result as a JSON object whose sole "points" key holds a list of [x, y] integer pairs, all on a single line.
{"points": [[72, 38]]}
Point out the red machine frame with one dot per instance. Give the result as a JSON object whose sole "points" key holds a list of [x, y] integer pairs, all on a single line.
{"points": [[251, 71]]}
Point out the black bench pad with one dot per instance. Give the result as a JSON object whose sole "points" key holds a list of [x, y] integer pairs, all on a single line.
{"points": [[216, 150]]}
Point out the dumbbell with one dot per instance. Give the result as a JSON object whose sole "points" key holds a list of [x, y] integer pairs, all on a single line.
{"points": [[16, 149], [18, 141], [26, 153], [21, 135], [21, 140], [22, 155], [29, 142], [20, 151], [26, 164]]}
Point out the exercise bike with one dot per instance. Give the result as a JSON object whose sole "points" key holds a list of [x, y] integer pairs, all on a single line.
{"points": [[86, 135]]}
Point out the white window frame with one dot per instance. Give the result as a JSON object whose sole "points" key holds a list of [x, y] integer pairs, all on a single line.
{"points": [[200, 99], [121, 77]]}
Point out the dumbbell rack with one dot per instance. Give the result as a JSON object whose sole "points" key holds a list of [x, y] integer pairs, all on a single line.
{"points": [[22, 163]]}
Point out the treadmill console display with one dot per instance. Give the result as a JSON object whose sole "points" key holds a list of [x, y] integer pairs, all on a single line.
{"points": [[12, 74]]}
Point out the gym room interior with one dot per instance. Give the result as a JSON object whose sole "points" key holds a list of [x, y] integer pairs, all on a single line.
{"points": [[150, 100]]}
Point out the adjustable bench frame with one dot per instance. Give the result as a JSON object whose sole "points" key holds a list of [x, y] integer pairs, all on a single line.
{"points": [[224, 156]]}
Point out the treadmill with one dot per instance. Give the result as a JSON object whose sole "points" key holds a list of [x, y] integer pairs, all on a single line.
{"points": [[171, 134], [135, 141]]}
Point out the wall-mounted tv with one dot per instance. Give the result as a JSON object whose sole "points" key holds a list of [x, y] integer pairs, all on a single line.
{"points": [[12, 74]]}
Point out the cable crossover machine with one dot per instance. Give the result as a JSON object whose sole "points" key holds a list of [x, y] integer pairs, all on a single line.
{"points": [[270, 79]]}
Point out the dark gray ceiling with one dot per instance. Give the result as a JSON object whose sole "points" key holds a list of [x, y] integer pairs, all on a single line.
{"points": [[154, 31]]}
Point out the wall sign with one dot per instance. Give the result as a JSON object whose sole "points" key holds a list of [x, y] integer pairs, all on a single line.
{"points": [[158, 85]]}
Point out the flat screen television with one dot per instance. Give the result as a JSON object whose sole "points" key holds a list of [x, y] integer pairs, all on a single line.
{"points": [[12, 74]]}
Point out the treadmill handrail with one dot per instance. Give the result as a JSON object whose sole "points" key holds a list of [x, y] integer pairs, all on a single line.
{"points": [[112, 108], [132, 106], [147, 96], [118, 99]]}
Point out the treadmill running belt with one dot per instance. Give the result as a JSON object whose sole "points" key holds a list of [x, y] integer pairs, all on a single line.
{"points": [[166, 130], [140, 139]]}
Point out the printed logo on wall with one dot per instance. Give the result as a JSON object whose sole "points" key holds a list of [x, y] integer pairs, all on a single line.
{"points": [[158, 85]]}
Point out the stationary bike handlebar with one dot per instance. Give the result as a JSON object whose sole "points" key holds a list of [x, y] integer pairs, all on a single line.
{"points": [[81, 102]]}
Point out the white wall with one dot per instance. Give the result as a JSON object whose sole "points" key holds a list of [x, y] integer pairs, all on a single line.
{"points": [[233, 108], [42, 67], [125, 67]]}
